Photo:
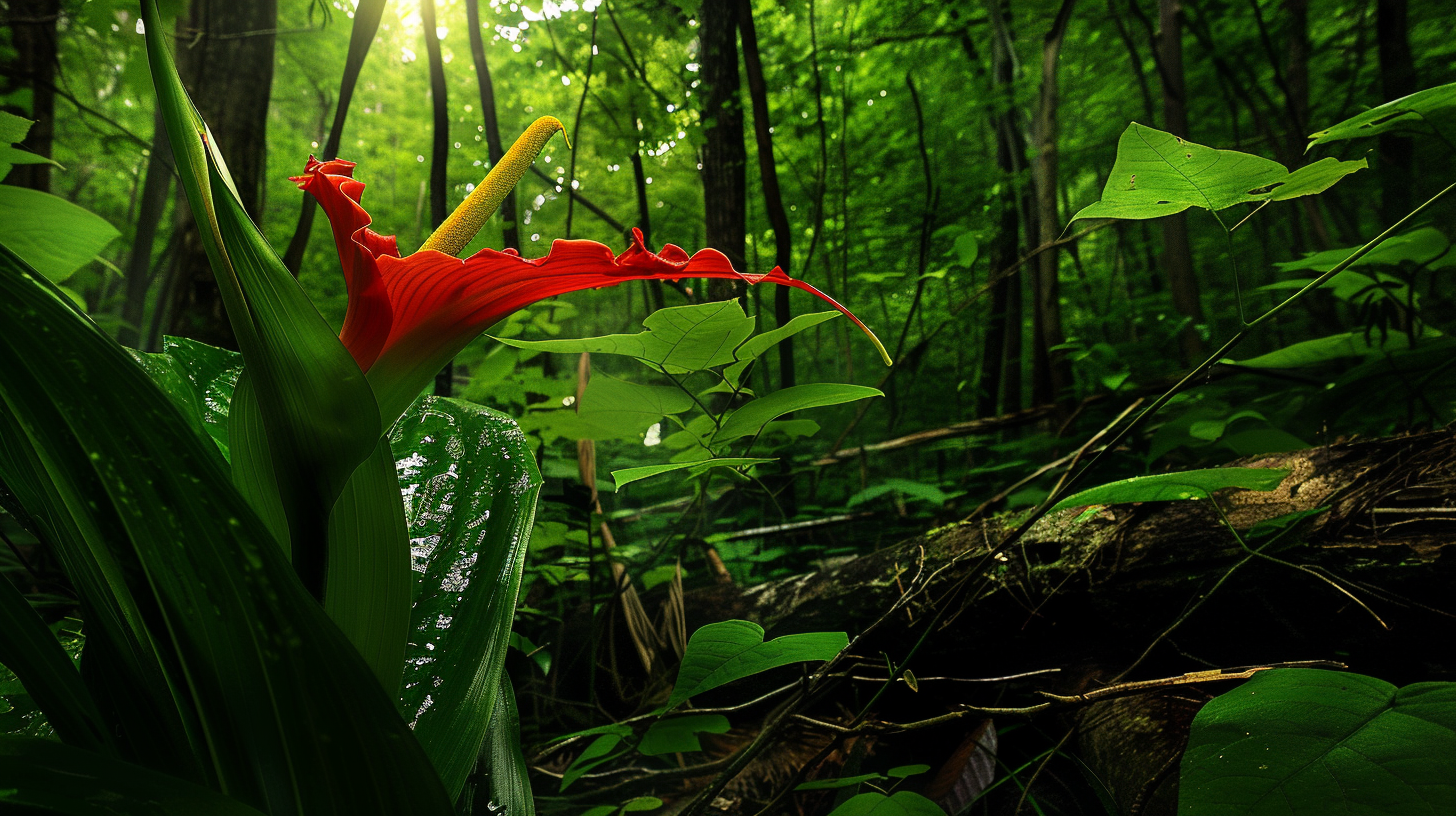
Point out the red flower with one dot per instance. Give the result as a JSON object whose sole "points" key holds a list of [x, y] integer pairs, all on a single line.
{"points": [[407, 316]]}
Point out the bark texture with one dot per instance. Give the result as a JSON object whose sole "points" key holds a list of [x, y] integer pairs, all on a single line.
{"points": [[724, 157], [227, 65]]}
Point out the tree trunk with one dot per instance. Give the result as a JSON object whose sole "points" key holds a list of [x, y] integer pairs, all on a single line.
{"points": [[366, 24], [1177, 251], [153, 207], [1010, 158], [228, 69], [495, 149], [439, 152], [768, 172], [1052, 373], [1397, 79], [33, 35], [724, 157]]}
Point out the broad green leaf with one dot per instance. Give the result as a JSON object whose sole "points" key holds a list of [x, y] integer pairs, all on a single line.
{"points": [[50, 233], [679, 735], [43, 776], [1427, 247], [914, 490], [750, 418], [185, 589], [13, 129], [200, 379], [906, 771], [596, 753], [611, 409], [509, 784], [1432, 111], [722, 652], [627, 476], [1189, 484], [1310, 741], [755, 346], [641, 804], [678, 339], [901, 803], [1157, 174], [319, 412], [28, 649], [1327, 349], [470, 485]]}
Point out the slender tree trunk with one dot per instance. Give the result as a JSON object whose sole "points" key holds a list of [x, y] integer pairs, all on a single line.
{"points": [[366, 24], [228, 68], [1397, 79], [768, 173], [653, 288], [33, 35], [1052, 373], [1010, 158], [1177, 251], [439, 151], [724, 157], [510, 232], [155, 190]]}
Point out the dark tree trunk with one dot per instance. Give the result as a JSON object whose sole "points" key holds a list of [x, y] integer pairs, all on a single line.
{"points": [[33, 35], [1008, 295], [773, 198], [1177, 251], [510, 232], [153, 207], [724, 157], [228, 68], [439, 151], [366, 24], [1397, 79], [1052, 373]]}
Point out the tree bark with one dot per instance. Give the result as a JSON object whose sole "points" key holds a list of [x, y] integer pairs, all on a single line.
{"points": [[153, 207], [724, 157], [1177, 251], [1003, 394], [228, 69], [33, 35], [1052, 373], [773, 198], [366, 24], [495, 149], [1397, 79]]}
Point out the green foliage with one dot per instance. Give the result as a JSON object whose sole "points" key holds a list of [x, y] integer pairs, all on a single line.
{"points": [[1430, 112], [901, 803], [1189, 484], [1158, 174], [673, 735], [720, 653], [1310, 741]]}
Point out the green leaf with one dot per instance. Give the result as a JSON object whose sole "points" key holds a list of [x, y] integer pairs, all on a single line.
{"points": [[678, 339], [1189, 484], [1159, 174], [750, 418], [627, 476], [967, 249], [28, 648], [596, 753], [470, 485], [1327, 349], [184, 587], [318, 413], [1427, 247], [1310, 741], [611, 409], [1432, 111], [906, 771], [13, 129], [759, 343], [49, 777], [200, 379], [902, 803], [722, 652], [679, 735], [50, 233], [840, 782], [918, 491], [509, 783]]}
